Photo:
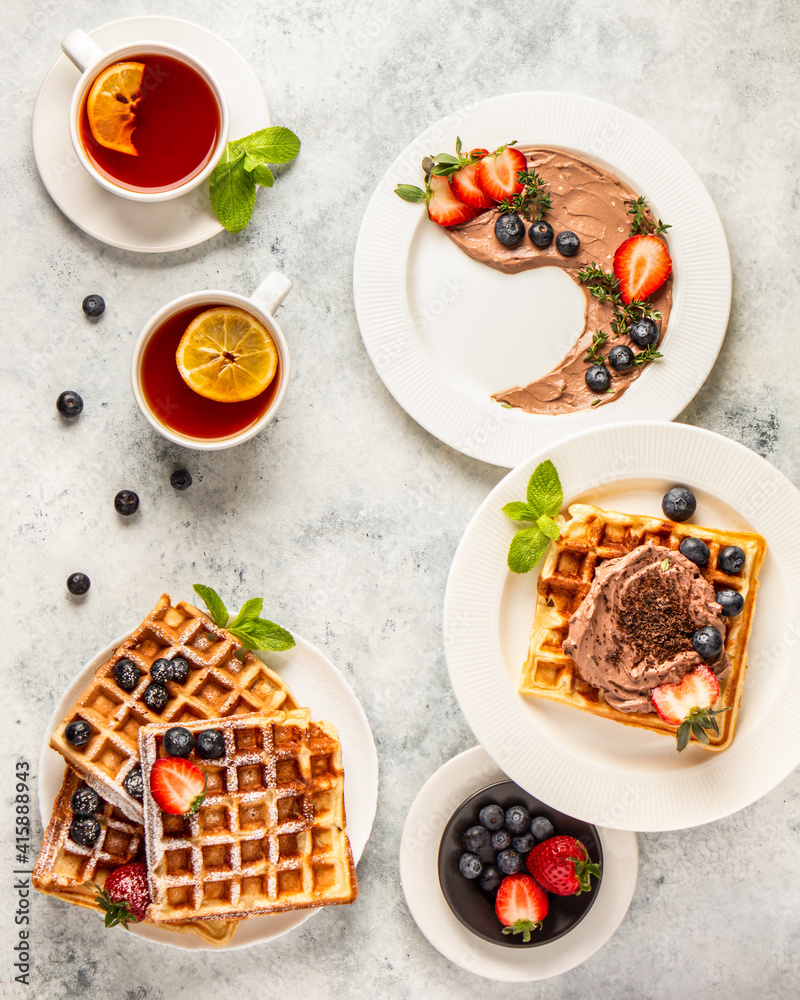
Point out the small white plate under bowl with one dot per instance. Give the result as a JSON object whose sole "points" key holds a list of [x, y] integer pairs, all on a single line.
{"points": [[444, 331], [167, 225], [314, 682], [437, 800], [596, 769]]}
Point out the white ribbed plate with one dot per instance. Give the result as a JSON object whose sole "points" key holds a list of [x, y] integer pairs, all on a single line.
{"points": [[593, 768], [415, 291]]}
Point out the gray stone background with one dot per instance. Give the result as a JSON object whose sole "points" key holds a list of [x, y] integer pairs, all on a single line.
{"points": [[344, 513]]}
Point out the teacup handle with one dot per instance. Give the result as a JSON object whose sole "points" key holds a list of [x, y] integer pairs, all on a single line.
{"points": [[272, 291], [80, 49]]}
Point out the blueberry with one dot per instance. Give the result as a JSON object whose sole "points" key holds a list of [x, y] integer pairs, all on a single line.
{"points": [[178, 742], [180, 480], [509, 229], [696, 550], [470, 865], [678, 504], [523, 843], [541, 234], [501, 839], [476, 838], [621, 358], [84, 830], [567, 243], [85, 801], [161, 670], [155, 696], [126, 502], [69, 404], [731, 559], [517, 819], [78, 584], [491, 878], [126, 674], [133, 783], [598, 378], [509, 861], [644, 332], [542, 828], [707, 642], [731, 603], [210, 744], [77, 733], [492, 817], [94, 305], [180, 669]]}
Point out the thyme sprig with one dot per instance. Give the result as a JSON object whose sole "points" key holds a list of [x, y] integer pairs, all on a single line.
{"points": [[641, 222], [648, 354], [597, 402], [593, 353], [533, 201], [605, 288]]}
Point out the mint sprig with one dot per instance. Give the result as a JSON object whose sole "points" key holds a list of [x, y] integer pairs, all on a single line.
{"points": [[544, 500], [249, 628], [245, 163]]}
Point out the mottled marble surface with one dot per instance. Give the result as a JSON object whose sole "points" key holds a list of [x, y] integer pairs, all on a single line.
{"points": [[344, 513]]}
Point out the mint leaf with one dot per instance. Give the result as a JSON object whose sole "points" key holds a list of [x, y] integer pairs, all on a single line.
{"points": [[213, 602], [544, 489], [548, 527], [519, 511], [262, 175], [409, 192], [232, 191], [526, 549], [263, 634], [276, 144], [249, 612]]}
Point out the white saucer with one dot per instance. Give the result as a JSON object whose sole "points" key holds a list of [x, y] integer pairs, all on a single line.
{"points": [[438, 798], [167, 225]]}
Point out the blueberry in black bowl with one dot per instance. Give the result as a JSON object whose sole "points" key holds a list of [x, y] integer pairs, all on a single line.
{"points": [[501, 839], [517, 819], [492, 816], [476, 838], [470, 865], [509, 862]]}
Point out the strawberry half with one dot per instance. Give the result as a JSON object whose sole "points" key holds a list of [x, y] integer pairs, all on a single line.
{"points": [[562, 866], [444, 207], [125, 895], [687, 705], [466, 187], [641, 265], [177, 785], [497, 173], [521, 905]]}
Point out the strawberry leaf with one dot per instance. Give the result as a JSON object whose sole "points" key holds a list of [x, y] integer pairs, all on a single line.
{"points": [[684, 733], [410, 192]]}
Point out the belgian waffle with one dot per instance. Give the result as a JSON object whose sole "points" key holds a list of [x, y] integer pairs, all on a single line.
{"points": [[67, 870], [270, 834], [593, 535], [219, 684]]}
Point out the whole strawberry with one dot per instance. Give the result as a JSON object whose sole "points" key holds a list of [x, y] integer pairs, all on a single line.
{"points": [[562, 866], [125, 895]]}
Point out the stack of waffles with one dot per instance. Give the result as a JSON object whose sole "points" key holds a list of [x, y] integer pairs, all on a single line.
{"points": [[270, 835]]}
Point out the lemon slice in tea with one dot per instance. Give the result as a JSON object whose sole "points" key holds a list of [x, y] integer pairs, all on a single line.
{"points": [[111, 105], [227, 355]]}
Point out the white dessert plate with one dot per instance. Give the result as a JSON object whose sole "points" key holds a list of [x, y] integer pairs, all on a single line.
{"points": [[165, 225], [592, 768], [444, 332], [436, 801], [314, 682]]}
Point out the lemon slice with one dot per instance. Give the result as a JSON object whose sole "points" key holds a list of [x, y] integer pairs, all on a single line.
{"points": [[111, 105], [227, 355]]}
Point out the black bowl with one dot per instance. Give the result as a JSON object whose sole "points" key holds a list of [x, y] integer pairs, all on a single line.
{"points": [[474, 907]]}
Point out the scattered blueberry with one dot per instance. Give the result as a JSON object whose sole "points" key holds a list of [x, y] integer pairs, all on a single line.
{"points": [[161, 670], [476, 838], [133, 783], [210, 744], [707, 641], [85, 801], [696, 550], [77, 733], [517, 819], [644, 332], [598, 378], [567, 243], [180, 480], [69, 404], [523, 843], [155, 696], [126, 502], [509, 861], [679, 504], [178, 742], [84, 830], [180, 669], [621, 358], [94, 305], [731, 603], [126, 674], [542, 828], [470, 865], [78, 584], [491, 878], [541, 234], [492, 817], [731, 559], [509, 229], [501, 839]]}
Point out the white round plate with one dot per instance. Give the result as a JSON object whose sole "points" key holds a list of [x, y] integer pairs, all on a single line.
{"points": [[444, 332], [593, 768], [316, 683], [438, 799], [166, 225]]}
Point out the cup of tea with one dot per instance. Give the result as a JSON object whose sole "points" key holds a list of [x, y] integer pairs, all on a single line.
{"points": [[147, 120], [193, 346]]}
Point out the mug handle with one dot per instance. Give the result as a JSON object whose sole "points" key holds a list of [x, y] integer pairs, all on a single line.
{"points": [[80, 49], [271, 292]]}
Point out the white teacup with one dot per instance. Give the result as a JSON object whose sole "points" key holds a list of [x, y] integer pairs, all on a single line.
{"points": [[262, 305], [90, 59]]}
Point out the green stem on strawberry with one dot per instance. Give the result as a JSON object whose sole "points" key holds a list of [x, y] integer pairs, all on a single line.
{"points": [[116, 911], [699, 723], [523, 927]]}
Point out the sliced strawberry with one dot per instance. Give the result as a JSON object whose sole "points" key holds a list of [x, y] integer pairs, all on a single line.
{"points": [[443, 205], [562, 866], [478, 153], [687, 705], [466, 187], [125, 895], [497, 173], [641, 264], [521, 905], [177, 785]]}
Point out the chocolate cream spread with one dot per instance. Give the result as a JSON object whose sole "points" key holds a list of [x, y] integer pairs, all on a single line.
{"points": [[593, 203], [634, 629]]}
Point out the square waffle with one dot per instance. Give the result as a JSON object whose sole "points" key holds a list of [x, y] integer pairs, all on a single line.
{"points": [[71, 871], [593, 535], [270, 834], [219, 684]]}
